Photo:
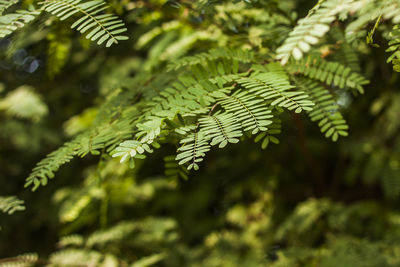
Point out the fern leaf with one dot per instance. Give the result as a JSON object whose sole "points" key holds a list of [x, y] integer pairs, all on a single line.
{"points": [[46, 168], [108, 134], [221, 129], [25, 103], [193, 150], [149, 260], [311, 28], [274, 87], [269, 136], [4, 4], [113, 234], [11, 204], [100, 27], [70, 240], [331, 73], [81, 257], [131, 149], [13, 21], [250, 111], [370, 10], [24, 260], [394, 47], [325, 111], [190, 95], [72, 210]]}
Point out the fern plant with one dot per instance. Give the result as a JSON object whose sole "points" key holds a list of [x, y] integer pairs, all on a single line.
{"points": [[394, 46], [214, 104], [201, 83], [4, 4], [100, 27], [10, 205], [326, 110], [13, 21], [220, 96], [310, 29], [331, 73]]}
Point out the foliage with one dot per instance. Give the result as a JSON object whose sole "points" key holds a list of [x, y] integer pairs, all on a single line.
{"points": [[10, 205], [165, 122]]}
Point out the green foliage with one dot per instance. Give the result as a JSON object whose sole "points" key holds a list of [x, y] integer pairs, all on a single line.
{"points": [[394, 46], [275, 87], [325, 111], [10, 205], [12, 21], [100, 27], [194, 77], [23, 102], [248, 110], [331, 73], [4, 4], [24, 260], [193, 149], [311, 28]]}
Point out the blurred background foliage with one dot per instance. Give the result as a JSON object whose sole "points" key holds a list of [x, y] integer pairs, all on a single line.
{"points": [[305, 202]]}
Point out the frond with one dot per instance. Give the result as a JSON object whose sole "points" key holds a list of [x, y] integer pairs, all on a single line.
{"points": [[46, 168], [71, 257], [274, 87], [252, 112], [192, 94], [113, 234], [100, 27], [25, 103], [193, 149], [131, 149], [326, 111], [331, 73], [70, 240], [239, 55], [269, 136], [11, 204], [73, 207], [107, 135], [149, 130], [4, 4], [370, 10], [394, 47], [149, 260], [24, 260], [13, 21], [221, 129], [311, 28], [141, 228]]}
